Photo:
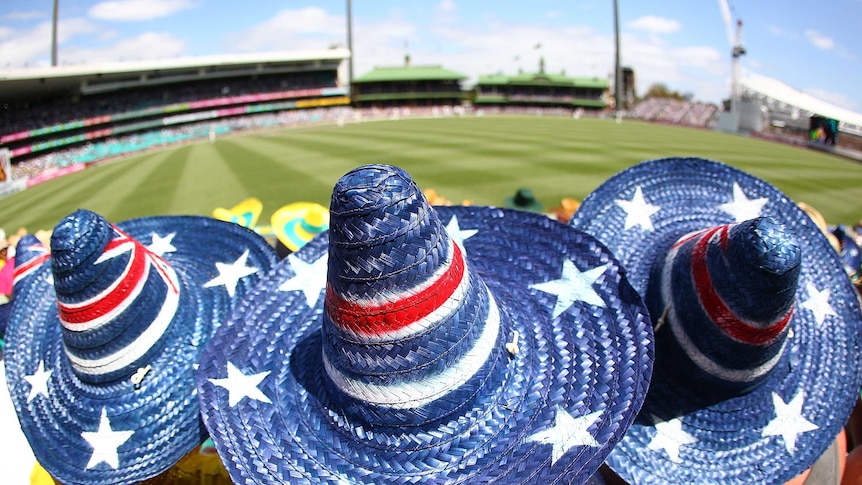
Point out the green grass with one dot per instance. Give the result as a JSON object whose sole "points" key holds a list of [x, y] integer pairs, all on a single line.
{"points": [[481, 159]]}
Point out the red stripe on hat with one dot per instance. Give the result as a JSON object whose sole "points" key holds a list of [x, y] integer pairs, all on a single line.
{"points": [[71, 314], [388, 317], [687, 238], [25, 268], [715, 306]]}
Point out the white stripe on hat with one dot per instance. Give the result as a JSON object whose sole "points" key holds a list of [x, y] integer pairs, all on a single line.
{"points": [[128, 299], [140, 346], [705, 363]]}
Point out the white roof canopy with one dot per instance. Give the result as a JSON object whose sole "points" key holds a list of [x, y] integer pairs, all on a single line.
{"points": [[777, 90]]}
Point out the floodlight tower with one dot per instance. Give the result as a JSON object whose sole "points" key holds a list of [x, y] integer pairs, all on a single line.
{"points": [[54, 33], [618, 73], [737, 50]]}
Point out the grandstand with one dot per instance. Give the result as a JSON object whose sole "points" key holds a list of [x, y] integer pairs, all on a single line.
{"points": [[60, 119], [675, 111], [408, 86], [565, 94], [69, 107]]}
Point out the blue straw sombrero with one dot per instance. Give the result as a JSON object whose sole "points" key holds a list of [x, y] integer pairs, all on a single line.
{"points": [[850, 253], [411, 344], [757, 325], [105, 333]]}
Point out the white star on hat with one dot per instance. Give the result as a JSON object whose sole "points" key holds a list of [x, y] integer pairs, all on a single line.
{"points": [[818, 303], [638, 211], [162, 245], [573, 285], [457, 234], [567, 433], [742, 208], [230, 274], [788, 422], [105, 443], [38, 381], [670, 437], [307, 278], [239, 385]]}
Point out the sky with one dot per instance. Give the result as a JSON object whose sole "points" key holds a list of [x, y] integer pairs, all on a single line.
{"points": [[683, 44]]}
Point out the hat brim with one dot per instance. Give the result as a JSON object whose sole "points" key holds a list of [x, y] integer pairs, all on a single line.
{"points": [[820, 362], [246, 213], [287, 224], [588, 359], [163, 412]]}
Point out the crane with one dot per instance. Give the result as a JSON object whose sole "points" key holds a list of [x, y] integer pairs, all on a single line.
{"points": [[737, 50]]}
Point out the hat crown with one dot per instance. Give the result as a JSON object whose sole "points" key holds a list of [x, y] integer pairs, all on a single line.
{"points": [[30, 254], [404, 317], [759, 270], [76, 243], [524, 197], [727, 294], [115, 298]]}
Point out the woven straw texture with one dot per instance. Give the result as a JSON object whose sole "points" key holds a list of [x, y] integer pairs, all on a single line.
{"points": [[292, 424], [159, 420], [690, 435]]}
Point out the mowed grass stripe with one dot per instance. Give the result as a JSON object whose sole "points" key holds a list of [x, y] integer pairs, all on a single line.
{"points": [[205, 182], [265, 175], [157, 177], [482, 159]]}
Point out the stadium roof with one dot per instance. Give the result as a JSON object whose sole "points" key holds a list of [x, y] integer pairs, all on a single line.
{"points": [[409, 73], [777, 90], [543, 78], [39, 80]]}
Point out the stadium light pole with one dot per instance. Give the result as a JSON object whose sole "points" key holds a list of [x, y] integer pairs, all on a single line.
{"points": [[54, 34], [618, 84], [350, 46]]}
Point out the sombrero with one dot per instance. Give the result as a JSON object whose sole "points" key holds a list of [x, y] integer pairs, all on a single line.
{"points": [[524, 200], [295, 224], [105, 331], [246, 213], [411, 344], [849, 252], [757, 325]]}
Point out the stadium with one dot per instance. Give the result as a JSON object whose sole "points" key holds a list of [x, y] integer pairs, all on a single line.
{"points": [[193, 136]]}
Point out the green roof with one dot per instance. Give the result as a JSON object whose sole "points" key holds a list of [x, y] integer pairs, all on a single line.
{"points": [[409, 73], [543, 79], [411, 96]]}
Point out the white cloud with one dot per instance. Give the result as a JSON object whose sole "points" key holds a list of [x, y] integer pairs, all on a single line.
{"points": [[819, 41], [134, 10], [307, 28], [655, 25], [33, 47], [149, 45], [837, 99]]}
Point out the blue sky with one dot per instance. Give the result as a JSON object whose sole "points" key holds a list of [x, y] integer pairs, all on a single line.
{"points": [[682, 43]]}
